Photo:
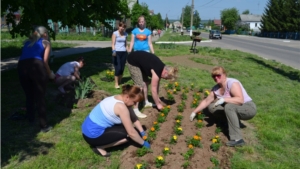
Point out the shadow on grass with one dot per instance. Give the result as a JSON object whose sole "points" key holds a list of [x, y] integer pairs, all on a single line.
{"points": [[281, 69], [18, 138]]}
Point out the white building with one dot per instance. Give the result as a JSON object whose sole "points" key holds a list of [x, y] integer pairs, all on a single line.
{"points": [[254, 21]]}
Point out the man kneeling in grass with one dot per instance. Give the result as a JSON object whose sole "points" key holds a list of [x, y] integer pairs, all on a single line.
{"points": [[68, 73]]}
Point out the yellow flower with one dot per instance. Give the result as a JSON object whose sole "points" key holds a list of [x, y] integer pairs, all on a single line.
{"points": [[139, 166], [107, 72], [174, 90], [214, 140], [160, 158], [217, 136], [175, 137], [199, 121], [207, 92], [196, 137], [179, 128], [194, 102], [192, 84], [168, 106], [198, 94], [166, 85], [166, 149], [162, 114], [152, 129], [155, 122], [191, 146], [144, 137], [177, 121]]}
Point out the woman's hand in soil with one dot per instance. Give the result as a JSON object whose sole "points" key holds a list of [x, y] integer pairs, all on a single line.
{"points": [[159, 106], [219, 102], [146, 144], [192, 116]]}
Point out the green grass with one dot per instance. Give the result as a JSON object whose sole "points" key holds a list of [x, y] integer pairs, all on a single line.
{"points": [[275, 89]]}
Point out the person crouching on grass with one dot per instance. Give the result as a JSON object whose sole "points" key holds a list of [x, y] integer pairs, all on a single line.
{"points": [[68, 73], [230, 101], [110, 122], [142, 65]]}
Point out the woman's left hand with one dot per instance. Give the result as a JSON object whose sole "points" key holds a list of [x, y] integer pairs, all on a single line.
{"points": [[219, 102]]}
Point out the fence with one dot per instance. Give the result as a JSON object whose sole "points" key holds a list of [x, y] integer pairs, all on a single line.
{"points": [[281, 35]]}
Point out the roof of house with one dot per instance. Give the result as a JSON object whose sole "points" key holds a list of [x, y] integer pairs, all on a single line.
{"points": [[217, 21], [250, 18]]}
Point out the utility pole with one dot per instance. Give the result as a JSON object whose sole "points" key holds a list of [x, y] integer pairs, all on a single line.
{"points": [[182, 20], [192, 13], [166, 21]]}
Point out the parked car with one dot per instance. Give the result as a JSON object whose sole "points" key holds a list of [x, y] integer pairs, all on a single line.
{"points": [[215, 34]]}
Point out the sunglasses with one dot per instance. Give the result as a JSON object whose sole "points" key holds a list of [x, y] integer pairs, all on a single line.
{"points": [[217, 75]]}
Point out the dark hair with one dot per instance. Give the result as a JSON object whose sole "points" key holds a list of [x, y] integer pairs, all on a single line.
{"points": [[80, 59], [133, 91], [122, 24]]}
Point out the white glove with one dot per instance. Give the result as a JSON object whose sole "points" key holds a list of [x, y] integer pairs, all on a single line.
{"points": [[219, 102], [192, 116]]}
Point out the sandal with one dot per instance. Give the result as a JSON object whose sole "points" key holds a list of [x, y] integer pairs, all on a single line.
{"points": [[95, 150]]}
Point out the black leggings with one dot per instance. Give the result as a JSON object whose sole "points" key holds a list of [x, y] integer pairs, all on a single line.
{"points": [[111, 134], [119, 62], [33, 78]]}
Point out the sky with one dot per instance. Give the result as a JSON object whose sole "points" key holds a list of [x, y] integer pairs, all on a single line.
{"points": [[208, 9]]}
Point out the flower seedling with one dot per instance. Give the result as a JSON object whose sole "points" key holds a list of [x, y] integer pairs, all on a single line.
{"points": [[178, 130], [142, 151], [189, 153], [173, 139], [194, 103], [195, 141], [166, 109], [216, 143], [192, 86], [218, 130], [156, 126], [179, 116], [174, 91], [159, 161], [186, 164], [161, 118], [178, 123], [166, 151], [110, 75], [177, 86], [206, 93], [170, 95], [170, 85], [152, 134], [143, 165], [199, 124], [180, 107], [200, 116], [145, 138], [215, 161], [197, 96], [183, 96]]}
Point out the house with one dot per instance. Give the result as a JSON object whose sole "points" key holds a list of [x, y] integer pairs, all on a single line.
{"points": [[218, 22], [254, 21], [176, 24]]}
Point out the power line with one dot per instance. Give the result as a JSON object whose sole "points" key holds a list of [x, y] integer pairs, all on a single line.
{"points": [[213, 4], [206, 3]]}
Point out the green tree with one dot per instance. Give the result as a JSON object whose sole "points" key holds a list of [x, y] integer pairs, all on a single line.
{"points": [[246, 12], [137, 11], [196, 19], [69, 12], [229, 17], [186, 16]]}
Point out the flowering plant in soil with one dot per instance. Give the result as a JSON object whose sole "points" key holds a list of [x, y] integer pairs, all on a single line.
{"points": [[200, 116], [161, 118], [180, 107], [177, 86], [156, 126], [206, 93], [170, 95], [145, 138], [197, 96], [178, 130], [215, 161], [186, 164], [174, 91], [192, 86], [199, 124], [183, 96], [152, 134], [166, 109], [195, 141], [194, 103], [179, 116], [216, 143], [159, 161], [189, 153], [170, 85], [173, 139], [143, 165], [218, 130], [178, 123], [110, 75], [166, 151], [142, 151]]}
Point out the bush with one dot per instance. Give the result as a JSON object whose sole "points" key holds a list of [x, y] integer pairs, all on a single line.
{"points": [[84, 88]]}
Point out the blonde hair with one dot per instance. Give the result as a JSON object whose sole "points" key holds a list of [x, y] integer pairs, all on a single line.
{"points": [[172, 72], [141, 17], [218, 70], [36, 35]]}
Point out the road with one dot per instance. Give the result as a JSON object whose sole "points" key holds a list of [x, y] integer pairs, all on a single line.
{"points": [[284, 51]]}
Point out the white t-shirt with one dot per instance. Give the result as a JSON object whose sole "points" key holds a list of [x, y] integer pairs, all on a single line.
{"points": [[67, 68]]}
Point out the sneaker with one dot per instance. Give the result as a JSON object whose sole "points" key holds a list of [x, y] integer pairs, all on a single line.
{"points": [[46, 129], [140, 115], [149, 104], [233, 143]]}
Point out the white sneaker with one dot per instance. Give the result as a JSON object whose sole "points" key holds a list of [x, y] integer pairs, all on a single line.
{"points": [[140, 115], [149, 104]]}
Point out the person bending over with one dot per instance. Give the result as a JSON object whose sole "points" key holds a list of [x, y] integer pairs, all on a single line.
{"points": [[228, 100], [110, 122], [68, 73], [142, 65]]}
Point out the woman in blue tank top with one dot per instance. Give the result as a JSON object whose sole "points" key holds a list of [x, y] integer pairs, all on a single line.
{"points": [[34, 73]]}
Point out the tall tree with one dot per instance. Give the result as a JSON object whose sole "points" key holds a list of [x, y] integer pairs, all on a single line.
{"points": [[246, 12], [196, 19], [137, 11], [229, 17], [69, 12]]}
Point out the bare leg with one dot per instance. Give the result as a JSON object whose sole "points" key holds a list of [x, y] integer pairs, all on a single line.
{"points": [[101, 149], [120, 79], [145, 89], [116, 81]]}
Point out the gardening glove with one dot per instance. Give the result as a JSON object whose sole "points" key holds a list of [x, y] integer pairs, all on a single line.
{"points": [[114, 53], [192, 116], [143, 133], [146, 144], [219, 102]]}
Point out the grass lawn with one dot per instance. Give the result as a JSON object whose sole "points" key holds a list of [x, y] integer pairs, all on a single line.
{"points": [[275, 89]]}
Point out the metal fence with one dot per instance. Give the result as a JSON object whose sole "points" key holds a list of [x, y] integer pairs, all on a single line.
{"points": [[281, 35]]}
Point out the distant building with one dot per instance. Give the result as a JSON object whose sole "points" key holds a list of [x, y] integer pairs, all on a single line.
{"points": [[254, 21]]}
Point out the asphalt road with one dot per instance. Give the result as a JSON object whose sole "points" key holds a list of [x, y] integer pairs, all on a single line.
{"points": [[284, 51]]}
